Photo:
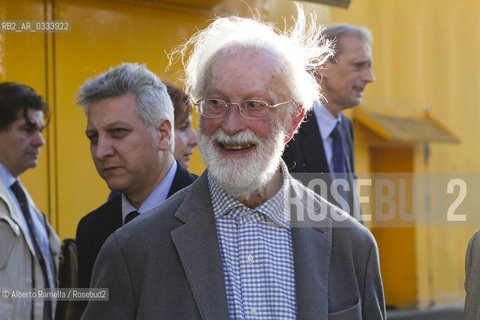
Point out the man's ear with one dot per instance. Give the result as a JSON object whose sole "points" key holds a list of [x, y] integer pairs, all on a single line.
{"points": [[295, 123], [321, 72], [164, 133]]}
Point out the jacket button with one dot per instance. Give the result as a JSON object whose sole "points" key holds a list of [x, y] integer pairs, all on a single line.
{"points": [[29, 280]]}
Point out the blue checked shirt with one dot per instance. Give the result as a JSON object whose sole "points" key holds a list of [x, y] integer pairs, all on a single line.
{"points": [[256, 251]]}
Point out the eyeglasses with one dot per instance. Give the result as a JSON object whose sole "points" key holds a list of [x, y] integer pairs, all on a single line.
{"points": [[249, 109]]}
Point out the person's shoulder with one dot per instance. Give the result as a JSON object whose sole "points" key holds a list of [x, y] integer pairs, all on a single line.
{"points": [[474, 244], [475, 240], [346, 123], [182, 179], [345, 118], [185, 174], [352, 234], [317, 211]]}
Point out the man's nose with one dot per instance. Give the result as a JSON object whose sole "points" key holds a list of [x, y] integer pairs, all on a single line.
{"points": [[103, 149], [368, 75], [233, 121], [192, 138], [38, 140]]}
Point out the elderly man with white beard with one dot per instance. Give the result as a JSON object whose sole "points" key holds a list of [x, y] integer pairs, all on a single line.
{"points": [[231, 245]]}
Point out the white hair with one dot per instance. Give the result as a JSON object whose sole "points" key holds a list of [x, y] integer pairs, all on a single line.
{"points": [[297, 48]]}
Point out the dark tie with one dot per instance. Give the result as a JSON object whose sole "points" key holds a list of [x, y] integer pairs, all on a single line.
{"points": [[339, 161], [132, 215], [339, 165], [22, 200]]}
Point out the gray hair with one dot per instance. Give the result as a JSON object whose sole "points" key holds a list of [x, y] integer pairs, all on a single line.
{"points": [[296, 48], [334, 32], [153, 102]]}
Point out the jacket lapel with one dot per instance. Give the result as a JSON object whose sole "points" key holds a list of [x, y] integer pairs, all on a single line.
{"points": [[16, 216], [311, 255], [111, 219], [197, 246]]}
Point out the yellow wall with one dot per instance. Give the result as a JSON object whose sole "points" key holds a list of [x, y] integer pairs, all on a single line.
{"points": [[425, 53]]}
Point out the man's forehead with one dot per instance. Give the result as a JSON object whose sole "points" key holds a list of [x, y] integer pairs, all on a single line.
{"points": [[112, 110], [249, 65], [31, 116], [351, 44], [246, 55]]}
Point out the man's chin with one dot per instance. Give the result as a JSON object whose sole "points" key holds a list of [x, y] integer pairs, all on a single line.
{"points": [[116, 186], [32, 164]]}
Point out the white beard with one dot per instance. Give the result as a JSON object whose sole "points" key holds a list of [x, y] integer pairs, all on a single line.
{"points": [[244, 177]]}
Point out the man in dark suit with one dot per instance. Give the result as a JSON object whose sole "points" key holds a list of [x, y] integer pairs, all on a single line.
{"points": [[130, 119], [245, 240], [324, 142]]}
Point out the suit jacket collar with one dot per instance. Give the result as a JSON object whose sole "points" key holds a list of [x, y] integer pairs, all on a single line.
{"points": [[197, 244], [14, 219], [110, 217], [311, 245]]}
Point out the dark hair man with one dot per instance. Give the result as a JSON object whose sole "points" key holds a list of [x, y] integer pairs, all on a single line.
{"points": [[30, 248]]}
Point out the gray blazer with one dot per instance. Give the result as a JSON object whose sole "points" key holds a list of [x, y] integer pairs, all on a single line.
{"points": [[166, 264], [472, 279]]}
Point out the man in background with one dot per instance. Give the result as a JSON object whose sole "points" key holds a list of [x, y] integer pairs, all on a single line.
{"points": [[30, 249], [324, 142], [130, 128]]}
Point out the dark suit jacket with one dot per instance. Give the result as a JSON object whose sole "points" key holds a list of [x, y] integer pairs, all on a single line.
{"points": [[166, 264], [98, 225], [305, 152]]}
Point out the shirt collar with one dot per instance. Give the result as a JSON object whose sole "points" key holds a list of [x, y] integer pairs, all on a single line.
{"points": [[158, 195], [326, 121], [6, 177], [276, 208]]}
